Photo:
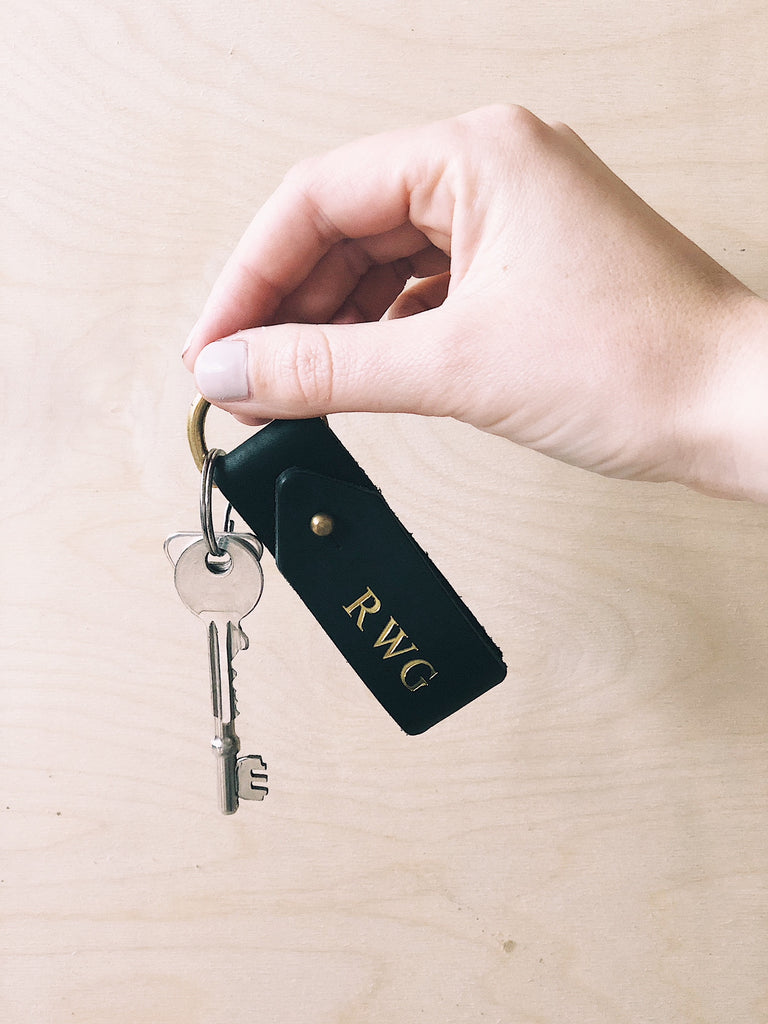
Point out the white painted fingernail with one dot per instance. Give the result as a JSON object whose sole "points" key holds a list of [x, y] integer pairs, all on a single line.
{"points": [[221, 371]]}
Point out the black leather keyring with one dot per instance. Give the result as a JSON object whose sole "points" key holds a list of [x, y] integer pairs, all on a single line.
{"points": [[375, 592]]}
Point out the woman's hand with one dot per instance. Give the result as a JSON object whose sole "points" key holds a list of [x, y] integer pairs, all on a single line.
{"points": [[552, 305]]}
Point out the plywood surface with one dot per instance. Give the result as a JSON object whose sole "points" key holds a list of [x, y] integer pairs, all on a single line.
{"points": [[588, 842]]}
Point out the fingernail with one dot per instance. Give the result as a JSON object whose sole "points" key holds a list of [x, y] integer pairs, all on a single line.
{"points": [[187, 344], [221, 371]]}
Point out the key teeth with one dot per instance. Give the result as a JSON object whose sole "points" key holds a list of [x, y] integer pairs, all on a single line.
{"points": [[251, 777], [238, 639]]}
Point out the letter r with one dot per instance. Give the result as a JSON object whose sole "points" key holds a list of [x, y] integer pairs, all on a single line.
{"points": [[362, 608]]}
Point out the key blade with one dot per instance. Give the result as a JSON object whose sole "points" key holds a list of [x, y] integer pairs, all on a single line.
{"points": [[225, 743], [222, 672]]}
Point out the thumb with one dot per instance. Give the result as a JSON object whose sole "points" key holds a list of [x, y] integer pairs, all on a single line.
{"points": [[294, 371]]}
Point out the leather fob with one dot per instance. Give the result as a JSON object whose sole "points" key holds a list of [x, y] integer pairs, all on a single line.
{"points": [[375, 592]]}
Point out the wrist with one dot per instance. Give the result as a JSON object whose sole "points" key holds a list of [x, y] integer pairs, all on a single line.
{"points": [[729, 441]]}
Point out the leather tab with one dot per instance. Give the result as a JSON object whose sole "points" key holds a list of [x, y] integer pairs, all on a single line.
{"points": [[379, 598], [374, 591]]}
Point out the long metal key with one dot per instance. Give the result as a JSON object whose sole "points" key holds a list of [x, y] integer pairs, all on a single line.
{"points": [[222, 592]]}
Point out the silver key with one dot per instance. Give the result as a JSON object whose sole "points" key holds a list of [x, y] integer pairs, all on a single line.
{"points": [[222, 591]]}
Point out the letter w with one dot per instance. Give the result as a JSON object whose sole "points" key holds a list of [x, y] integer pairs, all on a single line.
{"points": [[392, 643]]}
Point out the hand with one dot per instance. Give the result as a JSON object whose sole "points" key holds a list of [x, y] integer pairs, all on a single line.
{"points": [[552, 306]]}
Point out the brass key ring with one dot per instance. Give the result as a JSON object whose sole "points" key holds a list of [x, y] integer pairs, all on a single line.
{"points": [[196, 430]]}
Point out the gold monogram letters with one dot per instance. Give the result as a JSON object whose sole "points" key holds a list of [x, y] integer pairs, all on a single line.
{"points": [[391, 637]]}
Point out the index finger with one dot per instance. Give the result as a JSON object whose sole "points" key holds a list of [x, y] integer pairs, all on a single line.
{"points": [[366, 188]]}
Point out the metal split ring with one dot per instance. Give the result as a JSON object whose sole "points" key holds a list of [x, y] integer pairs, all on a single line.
{"points": [[206, 503]]}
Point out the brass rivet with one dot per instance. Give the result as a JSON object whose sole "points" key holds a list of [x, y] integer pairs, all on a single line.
{"points": [[321, 524]]}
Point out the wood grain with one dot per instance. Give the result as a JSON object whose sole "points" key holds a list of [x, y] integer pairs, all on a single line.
{"points": [[588, 841]]}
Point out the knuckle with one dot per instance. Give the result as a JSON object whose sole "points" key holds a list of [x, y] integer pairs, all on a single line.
{"points": [[523, 127], [301, 174], [562, 129], [309, 372], [301, 184], [508, 128], [507, 118]]}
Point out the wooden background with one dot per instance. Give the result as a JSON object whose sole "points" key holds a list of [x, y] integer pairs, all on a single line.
{"points": [[588, 842]]}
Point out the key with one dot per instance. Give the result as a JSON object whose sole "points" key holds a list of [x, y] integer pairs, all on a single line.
{"points": [[222, 591]]}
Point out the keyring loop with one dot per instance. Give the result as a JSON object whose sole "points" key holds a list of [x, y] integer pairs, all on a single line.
{"points": [[206, 503], [196, 430]]}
